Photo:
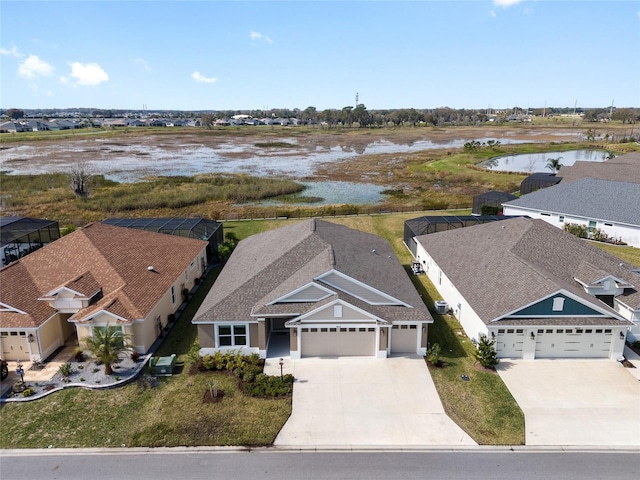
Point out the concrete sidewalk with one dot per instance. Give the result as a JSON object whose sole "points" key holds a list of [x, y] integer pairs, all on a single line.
{"points": [[366, 402]]}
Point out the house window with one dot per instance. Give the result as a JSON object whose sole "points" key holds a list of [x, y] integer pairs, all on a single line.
{"points": [[588, 330], [561, 218], [323, 330], [545, 214], [558, 304], [578, 330], [173, 294], [332, 329], [608, 224], [540, 331], [569, 330], [232, 335], [115, 329], [607, 330], [337, 311], [592, 225], [549, 331], [560, 330]]}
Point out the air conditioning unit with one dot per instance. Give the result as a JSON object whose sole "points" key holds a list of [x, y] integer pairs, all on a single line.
{"points": [[441, 307]]}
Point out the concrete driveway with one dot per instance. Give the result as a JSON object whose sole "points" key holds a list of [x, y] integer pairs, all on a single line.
{"points": [[365, 402], [575, 402]]}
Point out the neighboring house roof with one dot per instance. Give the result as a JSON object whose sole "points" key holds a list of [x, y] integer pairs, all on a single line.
{"points": [[590, 198], [501, 267], [265, 267], [538, 180], [97, 257], [625, 168]]}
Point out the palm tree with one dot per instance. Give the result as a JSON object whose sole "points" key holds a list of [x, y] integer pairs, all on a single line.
{"points": [[106, 344], [554, 164]]}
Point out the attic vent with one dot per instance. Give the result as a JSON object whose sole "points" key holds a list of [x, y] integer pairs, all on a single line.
{"points": [[111, 304]]}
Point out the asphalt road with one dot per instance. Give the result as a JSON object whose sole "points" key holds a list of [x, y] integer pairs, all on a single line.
{"points": [[158, 464]]}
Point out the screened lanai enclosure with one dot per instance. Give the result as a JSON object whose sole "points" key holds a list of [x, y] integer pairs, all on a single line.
{"points": [[20, 236], [432, 224], [198, 228]]}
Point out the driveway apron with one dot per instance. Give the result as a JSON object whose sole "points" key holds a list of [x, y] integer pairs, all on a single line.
{"points": [[575, 402], [367, 402]]}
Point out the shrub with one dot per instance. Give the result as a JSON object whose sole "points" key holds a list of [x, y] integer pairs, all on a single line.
{"points": [[65, 369], [27, 392], [433, 354], [270, 386], [486, 353], [78, 354]]}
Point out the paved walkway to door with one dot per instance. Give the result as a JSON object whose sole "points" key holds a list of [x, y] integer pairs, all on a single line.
{"points": [[366, 402]]}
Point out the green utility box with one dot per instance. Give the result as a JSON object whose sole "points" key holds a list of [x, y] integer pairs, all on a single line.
{"points": [[163, 365]]}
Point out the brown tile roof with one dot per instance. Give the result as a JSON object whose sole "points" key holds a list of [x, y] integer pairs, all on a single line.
{"points": [[116, 259], [501, 267], [84, 284], [266, 266]]}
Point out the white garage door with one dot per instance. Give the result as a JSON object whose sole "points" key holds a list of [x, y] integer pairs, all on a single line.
{"points": [[404, 338], [337, 342], [14, 346], [509, 342], [573, 343]]}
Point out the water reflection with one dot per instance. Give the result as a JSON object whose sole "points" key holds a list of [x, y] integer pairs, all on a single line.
{"points": [[537, 162]]}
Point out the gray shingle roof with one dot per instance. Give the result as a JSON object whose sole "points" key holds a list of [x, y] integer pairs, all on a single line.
{"points": [[625, 168], [503, 266], [590, 198], [266, 266]]}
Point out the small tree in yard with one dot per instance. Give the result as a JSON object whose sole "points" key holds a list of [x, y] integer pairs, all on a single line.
{"points": [[486, 352], [106, 344], [433, 354]]}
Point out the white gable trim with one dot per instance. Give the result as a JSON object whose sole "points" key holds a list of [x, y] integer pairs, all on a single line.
{"points": [[310, 285], [52, 294], [603, 311], [91, 317], [390, 300], [8, 308], [329, 306]]}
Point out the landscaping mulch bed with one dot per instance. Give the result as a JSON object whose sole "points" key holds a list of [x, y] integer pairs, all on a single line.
{"points": [[480, 368], [208, 398]]}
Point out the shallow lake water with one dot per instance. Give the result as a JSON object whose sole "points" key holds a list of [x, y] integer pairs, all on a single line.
{"points": [[537, 162]]}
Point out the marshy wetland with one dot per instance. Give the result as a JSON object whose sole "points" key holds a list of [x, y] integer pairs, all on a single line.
{"points": [[252, 172]]}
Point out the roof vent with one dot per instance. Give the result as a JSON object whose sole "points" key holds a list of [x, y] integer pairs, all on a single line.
{"points": [[151, 269], [374, 251]]}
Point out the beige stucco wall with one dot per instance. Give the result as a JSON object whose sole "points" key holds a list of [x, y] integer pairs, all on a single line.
{"points": [[206, 336], [425, 334], [263, 329], [51, 337], [293, 339]]}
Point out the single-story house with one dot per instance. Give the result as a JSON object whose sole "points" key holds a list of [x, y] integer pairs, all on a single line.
{"points": [[609, 206], [427, 224], [319, 289], [95, 276], [538, 291]]}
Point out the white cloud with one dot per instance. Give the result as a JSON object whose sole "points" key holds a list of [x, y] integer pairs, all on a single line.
{"points": [[638, 12], [260, 36], [143, 63], [11, 52], [33, 67], [493, 13], [506, 3], [86, 74], [198, 77]]}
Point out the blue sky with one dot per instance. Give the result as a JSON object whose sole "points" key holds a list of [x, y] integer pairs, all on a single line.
{"points": [[220, 55]]}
